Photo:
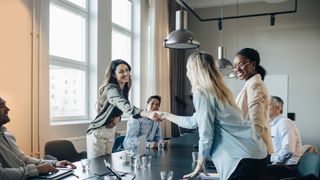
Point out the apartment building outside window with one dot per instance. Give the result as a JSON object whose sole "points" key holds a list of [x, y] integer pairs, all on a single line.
{"points": [[68, 54]]}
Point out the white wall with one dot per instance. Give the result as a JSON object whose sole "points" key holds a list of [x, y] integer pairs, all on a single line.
{"points": [[290, 47]]}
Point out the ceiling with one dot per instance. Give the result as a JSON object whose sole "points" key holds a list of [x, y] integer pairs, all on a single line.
{"points": [[196, 4]]}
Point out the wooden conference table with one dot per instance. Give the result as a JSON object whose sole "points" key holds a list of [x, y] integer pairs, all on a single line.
{"points": [[176, 157]]}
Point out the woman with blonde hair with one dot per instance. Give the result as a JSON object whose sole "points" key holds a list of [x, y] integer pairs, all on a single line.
{"points": [[224, 136], [112, 103]]}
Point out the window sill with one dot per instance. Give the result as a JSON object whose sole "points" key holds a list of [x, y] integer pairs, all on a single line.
{"points": [[69, 122]]}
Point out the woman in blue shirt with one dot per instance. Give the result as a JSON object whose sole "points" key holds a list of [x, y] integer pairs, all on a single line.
{"points": [[232, 143]]}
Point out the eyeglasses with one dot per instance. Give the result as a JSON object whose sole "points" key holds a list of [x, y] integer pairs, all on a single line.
{"points": [[240, 66]]}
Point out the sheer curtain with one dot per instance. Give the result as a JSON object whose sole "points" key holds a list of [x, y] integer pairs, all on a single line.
{"points": [[158, 66]]}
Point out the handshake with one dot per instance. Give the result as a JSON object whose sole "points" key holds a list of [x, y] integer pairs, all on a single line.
{"points": [[158, 115]]}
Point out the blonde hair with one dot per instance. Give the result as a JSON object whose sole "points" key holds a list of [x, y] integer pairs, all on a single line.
{"points": [[204, 75]]}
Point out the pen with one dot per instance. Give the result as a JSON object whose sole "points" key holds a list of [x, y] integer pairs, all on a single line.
{"points": [[75, 175], [108, 166]]}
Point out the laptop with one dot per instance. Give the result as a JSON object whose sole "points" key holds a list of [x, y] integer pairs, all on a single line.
{"points": [[61, 173]]}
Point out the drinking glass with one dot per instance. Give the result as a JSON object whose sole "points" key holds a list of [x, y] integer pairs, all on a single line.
{"points": [[146, 161], [166, 175], [85, 164], [160, 145]]}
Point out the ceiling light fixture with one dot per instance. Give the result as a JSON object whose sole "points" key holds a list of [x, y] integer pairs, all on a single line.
{"points": [[181, 38], [271, 14], [224, 64]]}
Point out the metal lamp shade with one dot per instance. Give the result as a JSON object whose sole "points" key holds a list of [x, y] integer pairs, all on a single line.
{"points": [[181, 38], [224, 64]]}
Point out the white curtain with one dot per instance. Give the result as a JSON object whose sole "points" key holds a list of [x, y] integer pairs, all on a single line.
{"points": [[158, 81]]}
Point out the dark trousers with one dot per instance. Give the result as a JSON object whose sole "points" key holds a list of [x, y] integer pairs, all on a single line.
{"points": [[249, 169]]}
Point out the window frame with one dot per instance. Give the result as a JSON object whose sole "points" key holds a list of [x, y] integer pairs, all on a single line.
{"points": [[73, 64], [129, 33]]}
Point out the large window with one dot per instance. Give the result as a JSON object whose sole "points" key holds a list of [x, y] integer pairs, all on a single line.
{"points": [[122, 30], [68, 50]]}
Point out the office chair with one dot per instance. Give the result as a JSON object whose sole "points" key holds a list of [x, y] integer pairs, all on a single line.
{"points": [[118, 144], [63, 150], [310, 148], [308, 166], [306, 169]]}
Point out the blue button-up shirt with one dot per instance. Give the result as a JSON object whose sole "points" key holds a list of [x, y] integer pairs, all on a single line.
{"points": [[224, 136], [138, 127], [286, 141]]}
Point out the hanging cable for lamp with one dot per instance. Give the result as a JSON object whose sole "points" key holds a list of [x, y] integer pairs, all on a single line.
{"points": [[272, 19], [224, 64]]}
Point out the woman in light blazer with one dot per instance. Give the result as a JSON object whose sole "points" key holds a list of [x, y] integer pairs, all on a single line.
{"points": [[253, 98]]}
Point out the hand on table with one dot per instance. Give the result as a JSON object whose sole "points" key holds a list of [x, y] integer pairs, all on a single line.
{"points": [[65, 163], [46, 168], [200, 168]]}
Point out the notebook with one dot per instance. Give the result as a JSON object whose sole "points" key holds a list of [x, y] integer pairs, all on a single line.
{"points": [[62, 172]]}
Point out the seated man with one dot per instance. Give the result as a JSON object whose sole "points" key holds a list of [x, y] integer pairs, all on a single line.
{"points": [[285, 135], [15, 164], [144, 126]]}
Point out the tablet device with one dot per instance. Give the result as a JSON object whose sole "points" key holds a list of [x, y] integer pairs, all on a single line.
{"points": [[62, 172]]}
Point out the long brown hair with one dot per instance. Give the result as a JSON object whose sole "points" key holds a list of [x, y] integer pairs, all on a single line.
{"points": [[110, 78]]}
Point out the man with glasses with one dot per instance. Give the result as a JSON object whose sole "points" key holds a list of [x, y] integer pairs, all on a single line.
{"points": [[15, 164]]}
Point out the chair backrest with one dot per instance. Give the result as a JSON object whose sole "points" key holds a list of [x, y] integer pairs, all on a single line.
{"points": [[62, 150], [118, 144], [310, 148], [309, 163]]}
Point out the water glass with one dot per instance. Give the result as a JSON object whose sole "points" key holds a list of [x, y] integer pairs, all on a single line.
{"points": [[166, 175], [194, 156], [135, 161], [146, 161], [85, 164], [160, 145]]}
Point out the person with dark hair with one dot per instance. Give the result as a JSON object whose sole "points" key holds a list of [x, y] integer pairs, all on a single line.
{"points": [[112, 103], [253, 98], [143, 126], [224, 136], [15, 164], [285, 135]]}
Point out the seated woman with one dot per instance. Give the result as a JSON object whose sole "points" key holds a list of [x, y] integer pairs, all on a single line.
{"points": [[143, 126]]}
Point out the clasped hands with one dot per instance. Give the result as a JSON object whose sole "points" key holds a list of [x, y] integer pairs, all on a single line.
{"points": [[156, 116]]}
